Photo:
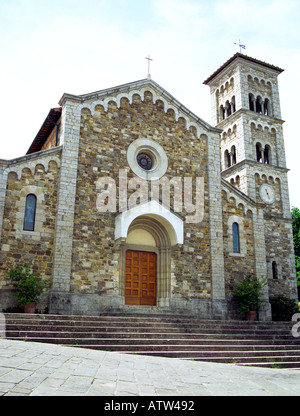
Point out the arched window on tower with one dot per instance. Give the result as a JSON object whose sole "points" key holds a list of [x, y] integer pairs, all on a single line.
{"points": [[258, 104], [251, 102], [233, 106], [267, 155], [227, 159], [233, 155], [30, 210], [259, 155], [228, 109], [236, 237], [222, 112], [267, 107]]}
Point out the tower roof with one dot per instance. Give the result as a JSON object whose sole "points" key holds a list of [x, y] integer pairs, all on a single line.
{"points": [[245, 57]]}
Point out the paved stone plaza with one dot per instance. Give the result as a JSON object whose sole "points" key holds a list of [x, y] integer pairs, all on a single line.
{"points": [[36, 369]]}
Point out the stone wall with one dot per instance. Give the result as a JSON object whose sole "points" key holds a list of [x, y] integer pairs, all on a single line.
{"points": [[104, 140], [36, 175], [243, 263]]}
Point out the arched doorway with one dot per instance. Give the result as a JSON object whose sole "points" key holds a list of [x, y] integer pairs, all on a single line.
{"points": [[140, 278], [149, 228], [146, 254]]}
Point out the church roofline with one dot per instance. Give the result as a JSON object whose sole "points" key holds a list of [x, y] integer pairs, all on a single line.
{"points": [[245, 57], [126, 88], [47, 127], [31, 156], [239, 193]]}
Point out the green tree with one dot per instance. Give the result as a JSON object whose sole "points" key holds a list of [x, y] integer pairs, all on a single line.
{"points": [[296, 232]]}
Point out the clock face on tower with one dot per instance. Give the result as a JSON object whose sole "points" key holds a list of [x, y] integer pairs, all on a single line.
{"points": [[267, 193]]}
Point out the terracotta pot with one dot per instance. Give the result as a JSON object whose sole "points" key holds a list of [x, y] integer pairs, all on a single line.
{"points": [[30, 307], [251, 316]]}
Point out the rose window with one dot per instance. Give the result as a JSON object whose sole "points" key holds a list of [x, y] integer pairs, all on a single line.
{"points": [[144, 161]]}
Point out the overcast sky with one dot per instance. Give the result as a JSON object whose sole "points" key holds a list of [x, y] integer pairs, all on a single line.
{"points": [[48, 48]]}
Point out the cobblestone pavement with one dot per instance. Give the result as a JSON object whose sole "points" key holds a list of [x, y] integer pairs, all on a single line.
{"points": [[36, 369]]}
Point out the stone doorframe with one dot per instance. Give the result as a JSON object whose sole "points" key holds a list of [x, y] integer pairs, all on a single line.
{"points": [[162, 251]]}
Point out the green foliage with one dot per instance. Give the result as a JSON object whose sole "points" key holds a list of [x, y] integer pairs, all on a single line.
{"points": [[297, 263], [248, 293], [29, 287], [296, 229], [283, 308], [296, 233]]}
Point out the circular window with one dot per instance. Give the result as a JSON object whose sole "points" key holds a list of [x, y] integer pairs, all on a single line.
{"points": [[147, 159], [144, 161]]}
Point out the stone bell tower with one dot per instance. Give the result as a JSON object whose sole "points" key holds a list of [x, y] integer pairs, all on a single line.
{"points": [[246, 106]]}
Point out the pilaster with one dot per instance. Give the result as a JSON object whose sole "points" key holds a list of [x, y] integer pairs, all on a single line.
{"points": [[60, 302], [216, 229], [3, 185], [260, 260]]}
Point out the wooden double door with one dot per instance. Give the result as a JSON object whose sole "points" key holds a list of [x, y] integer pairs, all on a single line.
{"points": [[140, 278]]}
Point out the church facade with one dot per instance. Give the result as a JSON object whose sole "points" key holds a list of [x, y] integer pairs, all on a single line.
{"points": [[127, 200]]}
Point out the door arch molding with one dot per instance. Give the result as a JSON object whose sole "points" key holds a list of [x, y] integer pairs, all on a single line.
{"points": [[162, 249]]}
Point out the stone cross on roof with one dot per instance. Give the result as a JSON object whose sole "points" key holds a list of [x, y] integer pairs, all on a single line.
{"points": [[149, 59]]}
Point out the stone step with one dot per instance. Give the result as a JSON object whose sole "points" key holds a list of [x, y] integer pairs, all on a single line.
{"points": [[161, 326], [267, 360], [176, 325], [151, 336], [158, 344], [125, 333], [283, 365], [209, 328], [245, 343], [86, 320]]}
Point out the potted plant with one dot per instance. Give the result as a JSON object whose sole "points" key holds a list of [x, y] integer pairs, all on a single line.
{"points": [[248, 294], [29, 287]]}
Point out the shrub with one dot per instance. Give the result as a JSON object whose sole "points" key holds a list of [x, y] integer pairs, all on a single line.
{"points": [[29, 287], [248, 293], [283, 308]]}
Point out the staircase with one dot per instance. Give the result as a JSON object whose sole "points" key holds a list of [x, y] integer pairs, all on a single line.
{"points": [[267, 344]]}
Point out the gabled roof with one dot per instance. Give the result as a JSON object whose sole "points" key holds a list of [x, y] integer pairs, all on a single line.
{"points": [[44, 132], [138, 86], [101, 95], [246, 58]]}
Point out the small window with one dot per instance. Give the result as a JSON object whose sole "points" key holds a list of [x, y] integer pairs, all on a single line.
{"points": [[258, 105], [251, 102], [233, 105], [267, 155], [274, 270], [222, 112], [233, 155], [30, 208], [267, 111], [228, 109], [227, 159], [236, 237], [259, 156]]}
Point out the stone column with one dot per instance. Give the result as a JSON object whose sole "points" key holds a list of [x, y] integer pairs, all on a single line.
{"points": [[261, 260], [3, 184], [219, 304], [60, 300]]}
